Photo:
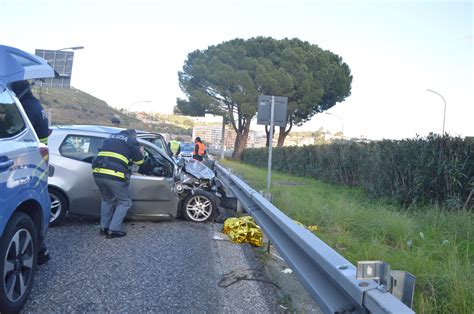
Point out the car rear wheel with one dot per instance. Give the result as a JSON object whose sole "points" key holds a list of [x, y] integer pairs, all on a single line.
{"points": [[59, 207], [199, 206], [18, 251]]}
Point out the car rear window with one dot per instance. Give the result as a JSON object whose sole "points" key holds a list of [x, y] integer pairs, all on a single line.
{"points": [[11, 121], [81, 147]]}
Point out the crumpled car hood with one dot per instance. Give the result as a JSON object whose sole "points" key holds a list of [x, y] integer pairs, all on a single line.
{"points": [[199, 170]]}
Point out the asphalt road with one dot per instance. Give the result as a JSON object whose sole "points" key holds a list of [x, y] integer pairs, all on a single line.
{"points": [[158, 267]]}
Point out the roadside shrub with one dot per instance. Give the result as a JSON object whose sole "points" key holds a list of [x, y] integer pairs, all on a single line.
{"points": [[431, 170]]}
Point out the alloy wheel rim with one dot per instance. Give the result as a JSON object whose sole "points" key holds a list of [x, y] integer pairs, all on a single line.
{"points": [[18, 265], [56, 207], [199, 208]]}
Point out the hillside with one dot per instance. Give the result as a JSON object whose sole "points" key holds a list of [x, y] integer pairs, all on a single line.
{"points": [[73, 106]]}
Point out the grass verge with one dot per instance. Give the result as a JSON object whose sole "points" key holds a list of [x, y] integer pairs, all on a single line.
{"points": [[431, 243]]}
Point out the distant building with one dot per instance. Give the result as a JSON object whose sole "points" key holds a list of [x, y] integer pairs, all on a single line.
{"points": [[257, 139], [211, 136]]}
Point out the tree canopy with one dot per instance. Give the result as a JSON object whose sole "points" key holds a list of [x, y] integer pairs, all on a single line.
{"points": [[227, 79]]}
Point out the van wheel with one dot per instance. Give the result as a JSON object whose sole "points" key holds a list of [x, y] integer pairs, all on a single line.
{"points": [[59, 207], [199, 206], [18, 250]]}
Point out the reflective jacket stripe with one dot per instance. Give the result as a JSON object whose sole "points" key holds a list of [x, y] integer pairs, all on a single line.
{"points": [[109, 172], [140, 162], [44, 140], [114, 155]]}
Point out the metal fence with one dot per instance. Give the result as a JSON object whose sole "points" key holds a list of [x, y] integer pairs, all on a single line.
{"points": [[327, 276]]}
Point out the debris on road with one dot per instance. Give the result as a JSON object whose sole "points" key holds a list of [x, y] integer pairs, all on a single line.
{"points": [[244, 274], [218, 236]]}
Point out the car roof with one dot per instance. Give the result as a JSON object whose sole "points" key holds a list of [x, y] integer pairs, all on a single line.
{"points": [[18, 65], [107, 130], [99, 128], [90, 128]]}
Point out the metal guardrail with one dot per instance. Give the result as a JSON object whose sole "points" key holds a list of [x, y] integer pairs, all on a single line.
{"points": [[327, 276], [217, 152]]}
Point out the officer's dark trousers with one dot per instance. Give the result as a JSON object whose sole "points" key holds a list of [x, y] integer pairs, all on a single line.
{"points": [[113, 193]]}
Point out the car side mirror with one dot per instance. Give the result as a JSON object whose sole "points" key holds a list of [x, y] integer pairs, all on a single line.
{"points": [[181, 162]]}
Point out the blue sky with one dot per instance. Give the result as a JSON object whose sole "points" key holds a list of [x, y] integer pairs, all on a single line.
{"points": [[395, 49]]}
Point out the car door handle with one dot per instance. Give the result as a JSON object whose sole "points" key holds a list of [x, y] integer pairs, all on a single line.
{"points": [[6, 164]]}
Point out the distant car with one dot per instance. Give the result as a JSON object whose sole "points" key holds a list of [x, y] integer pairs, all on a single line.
{"points": [[186, 150], [154, 191], [24, 199]]}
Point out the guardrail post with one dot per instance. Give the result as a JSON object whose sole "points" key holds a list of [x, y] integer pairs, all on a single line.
{"points": [[269, 197], [240, 209]]}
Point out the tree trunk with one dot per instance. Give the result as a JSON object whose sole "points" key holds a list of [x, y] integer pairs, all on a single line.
{"points": [[281, 137], [283, 134], [267, 132], [241, 141]]}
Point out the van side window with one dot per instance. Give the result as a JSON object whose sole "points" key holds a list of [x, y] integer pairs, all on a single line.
{"points": [[81, 147], [11, 121]]}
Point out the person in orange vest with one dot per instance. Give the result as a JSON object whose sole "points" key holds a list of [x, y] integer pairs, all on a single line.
{"points": [[199, 149]]}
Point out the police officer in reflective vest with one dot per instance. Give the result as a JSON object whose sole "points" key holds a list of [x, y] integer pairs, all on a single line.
{"points": [[35, 112], [175, 147], [199, 149], [112, 175]]}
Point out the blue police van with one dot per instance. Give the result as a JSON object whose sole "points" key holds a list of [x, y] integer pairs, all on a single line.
{"points": [[24, 199]]}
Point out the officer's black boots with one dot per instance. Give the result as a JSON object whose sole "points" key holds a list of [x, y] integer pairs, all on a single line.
{"points": [[115, 234], [104, 231]]}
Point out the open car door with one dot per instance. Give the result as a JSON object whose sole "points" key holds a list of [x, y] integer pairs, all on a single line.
{"points": [[17, 65], [153, 191]]}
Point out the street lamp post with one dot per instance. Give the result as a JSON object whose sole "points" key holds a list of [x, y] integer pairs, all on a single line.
{"points": [[71, 48], [64, 69], [342, 121], [444, 116]]}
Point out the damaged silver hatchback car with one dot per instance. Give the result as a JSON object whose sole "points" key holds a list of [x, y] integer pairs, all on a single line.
{"points": [[161, 188]]}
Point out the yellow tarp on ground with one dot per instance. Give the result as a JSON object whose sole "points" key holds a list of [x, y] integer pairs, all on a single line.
{"points": [[243, 229]]}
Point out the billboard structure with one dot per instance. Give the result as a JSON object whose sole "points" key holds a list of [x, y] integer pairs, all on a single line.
{"points": [[61, 61]]}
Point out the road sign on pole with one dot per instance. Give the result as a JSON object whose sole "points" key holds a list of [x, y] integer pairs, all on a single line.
{"points": [[264, 110], [272, 110]]}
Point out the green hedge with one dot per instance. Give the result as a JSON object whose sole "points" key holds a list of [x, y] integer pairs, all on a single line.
{"points": [[422, 170]]}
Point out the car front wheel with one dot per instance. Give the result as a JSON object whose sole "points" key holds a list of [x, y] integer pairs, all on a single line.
{"points": [[59, 207], [199, 206], [18, 251]]}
